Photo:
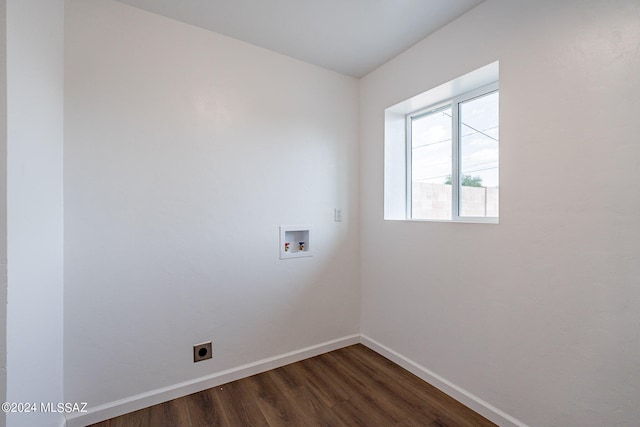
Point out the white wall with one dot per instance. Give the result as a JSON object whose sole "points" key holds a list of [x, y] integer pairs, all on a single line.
{"points": [[184, 152], [537, 315], [34, 206], [3, 207]]}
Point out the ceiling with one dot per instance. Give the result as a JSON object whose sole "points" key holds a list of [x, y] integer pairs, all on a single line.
{"points": [[352, 37]]}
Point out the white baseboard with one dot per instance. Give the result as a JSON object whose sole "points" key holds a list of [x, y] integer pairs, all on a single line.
{"points": [[461, 395], [154, 397]]}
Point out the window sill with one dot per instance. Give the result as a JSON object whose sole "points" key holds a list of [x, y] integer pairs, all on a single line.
{"points": [[493, 221]]}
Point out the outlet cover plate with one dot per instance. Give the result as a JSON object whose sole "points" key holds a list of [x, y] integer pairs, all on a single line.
{"points": [[202, 351]]}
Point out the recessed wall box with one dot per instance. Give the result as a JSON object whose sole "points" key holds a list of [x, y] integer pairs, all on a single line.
{"points": [[295, 241]]}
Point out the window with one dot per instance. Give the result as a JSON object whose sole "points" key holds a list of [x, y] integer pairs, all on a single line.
{"points": [[441, 152], [452, 159]]}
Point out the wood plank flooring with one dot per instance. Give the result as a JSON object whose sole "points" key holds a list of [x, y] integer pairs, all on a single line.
{"points": [[353, 386]]}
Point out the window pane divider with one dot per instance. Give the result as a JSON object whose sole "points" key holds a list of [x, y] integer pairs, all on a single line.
{"points": [[455, 160], [409, 183]]}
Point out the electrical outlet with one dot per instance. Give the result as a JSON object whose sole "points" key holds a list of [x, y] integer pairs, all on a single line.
{"points": [[202, 352], [337, 215]]}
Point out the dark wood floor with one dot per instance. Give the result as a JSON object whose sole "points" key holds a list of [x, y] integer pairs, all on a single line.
{"points": [[353, 386]]}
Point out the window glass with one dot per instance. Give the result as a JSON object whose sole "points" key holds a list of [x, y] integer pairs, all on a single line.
{"points": [[479, 168], [431, 165]]}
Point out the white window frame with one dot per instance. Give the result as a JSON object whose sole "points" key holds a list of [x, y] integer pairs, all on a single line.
{"points": [[454, 103], [395, 135]]}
